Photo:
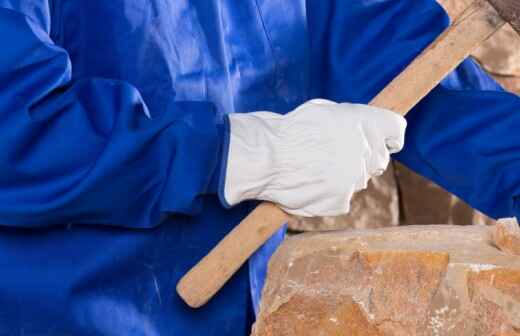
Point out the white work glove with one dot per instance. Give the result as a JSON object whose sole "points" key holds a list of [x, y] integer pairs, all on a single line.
{"points": [[312, 160]]}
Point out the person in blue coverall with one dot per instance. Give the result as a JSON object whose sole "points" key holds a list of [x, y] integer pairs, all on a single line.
{"points": [[125, 141]]}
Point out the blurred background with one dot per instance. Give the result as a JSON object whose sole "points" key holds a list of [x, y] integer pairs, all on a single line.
{"points": [[401, 197]]}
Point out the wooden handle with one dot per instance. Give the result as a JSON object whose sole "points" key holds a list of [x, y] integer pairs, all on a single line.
{"points": [[475, 25], [214, 270]]}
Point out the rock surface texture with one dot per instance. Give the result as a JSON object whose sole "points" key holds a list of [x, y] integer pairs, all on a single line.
{"points": [[424, 202], [506, 236], [414, 280]]}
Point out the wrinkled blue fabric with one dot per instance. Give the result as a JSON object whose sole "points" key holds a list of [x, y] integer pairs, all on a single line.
{"points": [[462, 135], [258, 267], [470, 147], [112, 115]]}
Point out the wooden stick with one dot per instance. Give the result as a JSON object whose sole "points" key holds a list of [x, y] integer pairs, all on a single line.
{"points": [[476, 25]]}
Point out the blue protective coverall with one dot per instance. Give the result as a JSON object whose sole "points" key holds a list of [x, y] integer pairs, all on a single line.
{"points": [[113, 141]]}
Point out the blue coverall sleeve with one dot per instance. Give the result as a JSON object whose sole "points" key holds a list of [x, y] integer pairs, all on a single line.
{"points": [[466, 140], [86, 151], [463, 136]]}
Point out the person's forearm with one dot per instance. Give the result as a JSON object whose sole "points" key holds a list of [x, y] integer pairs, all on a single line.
{"points": [[89, 151], [467, 141]]}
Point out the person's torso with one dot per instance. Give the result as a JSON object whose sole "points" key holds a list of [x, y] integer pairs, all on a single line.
{"points": [[240, 55]]}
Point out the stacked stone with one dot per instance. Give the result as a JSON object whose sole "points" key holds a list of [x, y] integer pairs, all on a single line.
{"points": [[414, 280]]}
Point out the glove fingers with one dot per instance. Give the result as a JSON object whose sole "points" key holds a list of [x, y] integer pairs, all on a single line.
{"points": [[379, 160], [379, 156], [316, 103], [323, 204], [388, 125], [393, 127]]}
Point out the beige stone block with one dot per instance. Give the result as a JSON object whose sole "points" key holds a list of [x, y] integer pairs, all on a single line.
{"points": [[510, 83], [414, 280], [506, 236], [424, 202]]}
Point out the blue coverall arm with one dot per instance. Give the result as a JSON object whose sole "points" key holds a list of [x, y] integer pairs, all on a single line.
{"points": [[86, 151], [467, 141], [463, 136]]}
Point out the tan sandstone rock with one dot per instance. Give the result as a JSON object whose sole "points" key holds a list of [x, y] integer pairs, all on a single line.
{"points": [[415, 280], [510, 83], [506, 236], [424, 202]]}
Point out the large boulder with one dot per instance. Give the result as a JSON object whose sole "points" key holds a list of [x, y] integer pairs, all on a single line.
{"points": [[415, 280]]}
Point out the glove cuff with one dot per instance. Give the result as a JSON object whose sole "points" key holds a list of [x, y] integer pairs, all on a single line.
{"points": [[250, 156]]}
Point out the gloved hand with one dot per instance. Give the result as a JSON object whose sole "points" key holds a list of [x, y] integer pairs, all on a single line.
{"points": [[312, 160]]}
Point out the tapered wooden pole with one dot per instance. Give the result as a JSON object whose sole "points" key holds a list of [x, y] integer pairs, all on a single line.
{"points": [[476, 25]]}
